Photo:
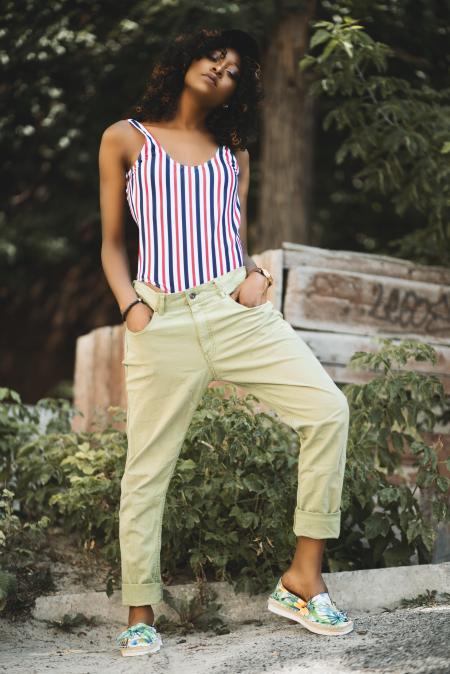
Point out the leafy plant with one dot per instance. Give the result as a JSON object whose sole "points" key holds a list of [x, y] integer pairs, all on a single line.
{"points": [[75, 477], [71, 621], [200, 612], [228, 512], [397, 133], [21, 574], [383, 523], [8, 587], [17, 423], [20, 424], [427, 598]]}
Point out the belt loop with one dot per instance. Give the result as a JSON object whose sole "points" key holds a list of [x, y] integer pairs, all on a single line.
{"points": [[219, 287]]}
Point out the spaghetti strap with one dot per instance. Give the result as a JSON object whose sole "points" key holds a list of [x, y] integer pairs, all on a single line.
{"points": [[141, 128]]}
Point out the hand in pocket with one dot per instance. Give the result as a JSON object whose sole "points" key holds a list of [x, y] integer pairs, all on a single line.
{"points": [[252, 292], [139, 317]]}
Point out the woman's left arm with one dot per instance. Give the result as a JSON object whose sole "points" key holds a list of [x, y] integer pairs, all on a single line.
{"points": [[250, 292], [243, 158]]}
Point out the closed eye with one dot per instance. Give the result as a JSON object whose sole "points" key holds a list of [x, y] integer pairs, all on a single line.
{"points": [[233, 75]]}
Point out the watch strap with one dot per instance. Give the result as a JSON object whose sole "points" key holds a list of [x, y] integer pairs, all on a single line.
{"points": [[264, 273]]}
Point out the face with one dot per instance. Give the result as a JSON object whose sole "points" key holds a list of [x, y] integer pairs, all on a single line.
{"points": [[215, 76]]}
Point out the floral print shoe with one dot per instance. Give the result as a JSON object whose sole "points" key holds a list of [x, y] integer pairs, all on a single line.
{"points": [[320, 614], [139, 639]]}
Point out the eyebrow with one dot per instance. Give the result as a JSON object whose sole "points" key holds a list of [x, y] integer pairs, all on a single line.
{"points": [[232, 62]]}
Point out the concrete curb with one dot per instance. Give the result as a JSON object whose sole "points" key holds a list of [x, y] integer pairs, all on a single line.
{"points": [[368, 590]]}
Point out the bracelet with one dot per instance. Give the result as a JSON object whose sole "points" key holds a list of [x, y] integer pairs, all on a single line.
{"points": [[264, 272], [124, 314]]}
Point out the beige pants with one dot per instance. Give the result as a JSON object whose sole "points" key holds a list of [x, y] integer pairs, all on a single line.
{"points": [[196, 336]]}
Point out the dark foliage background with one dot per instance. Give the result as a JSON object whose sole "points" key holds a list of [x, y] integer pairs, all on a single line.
{"points": [[71, 68]]}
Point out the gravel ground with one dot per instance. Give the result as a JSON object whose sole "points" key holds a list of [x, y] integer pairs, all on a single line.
{"points": [[404, 641]]}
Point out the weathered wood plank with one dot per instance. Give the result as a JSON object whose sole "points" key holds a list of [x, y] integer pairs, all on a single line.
{"points": [[342, 301], [84, 367], [296, 254], [335, 350], [99, 377]]}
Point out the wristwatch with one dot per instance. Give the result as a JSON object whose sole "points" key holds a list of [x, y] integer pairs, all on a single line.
{"points": [[264, 272]]}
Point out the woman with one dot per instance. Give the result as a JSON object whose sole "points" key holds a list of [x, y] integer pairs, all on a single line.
{"points": [[198, 311]]}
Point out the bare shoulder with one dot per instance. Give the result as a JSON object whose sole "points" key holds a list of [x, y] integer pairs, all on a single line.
{"points": [[115, 145], [116, 133]]}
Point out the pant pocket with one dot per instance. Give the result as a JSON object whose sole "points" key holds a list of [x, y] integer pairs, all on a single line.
{"points": [[150, 298], [146, 329], [231, 300]]}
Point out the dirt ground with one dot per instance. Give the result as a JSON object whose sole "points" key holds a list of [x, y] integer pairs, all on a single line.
{"points": [[402, 641]]}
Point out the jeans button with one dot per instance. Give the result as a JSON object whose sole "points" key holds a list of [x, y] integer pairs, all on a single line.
{"points": [[192, 295]]}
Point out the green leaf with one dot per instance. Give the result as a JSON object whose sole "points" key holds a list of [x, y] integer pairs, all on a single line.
{"points": [[319, 37], [443, 483], [376, 525], [348, 47], [307, 61], [332, 44], [186, 464]]}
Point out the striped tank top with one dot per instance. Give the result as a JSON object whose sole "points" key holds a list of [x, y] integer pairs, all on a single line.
{"points": [[188, 216]]}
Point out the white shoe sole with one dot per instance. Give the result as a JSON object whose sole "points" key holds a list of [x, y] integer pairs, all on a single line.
{"points": [[141, 650], [329, 630]]}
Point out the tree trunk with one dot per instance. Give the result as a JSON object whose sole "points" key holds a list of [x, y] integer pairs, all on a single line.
{"points": [[287, 139]]}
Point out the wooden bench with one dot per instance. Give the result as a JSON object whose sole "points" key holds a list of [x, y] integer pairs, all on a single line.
{"points": [[338, 301]]}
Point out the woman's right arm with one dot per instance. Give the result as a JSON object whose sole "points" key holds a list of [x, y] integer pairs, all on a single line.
{"points": [[114, 257]]}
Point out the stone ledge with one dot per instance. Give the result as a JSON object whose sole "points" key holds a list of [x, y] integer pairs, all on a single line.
{"points": [[366, 590]]}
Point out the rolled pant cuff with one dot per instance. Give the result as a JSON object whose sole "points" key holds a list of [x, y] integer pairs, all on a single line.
{"points": [[317, 525], [140, 595]]}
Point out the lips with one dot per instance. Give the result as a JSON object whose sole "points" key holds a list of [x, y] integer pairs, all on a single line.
{"points": [[213, 78]]}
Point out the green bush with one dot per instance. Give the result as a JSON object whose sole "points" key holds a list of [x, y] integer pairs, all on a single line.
{"points": [[20, 546], [20, 424], [230, 504], [384, 524], [75, 479], [232, 497]]}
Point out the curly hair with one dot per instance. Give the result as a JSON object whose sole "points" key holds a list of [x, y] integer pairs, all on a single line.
{"points": [[235, 126]]}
